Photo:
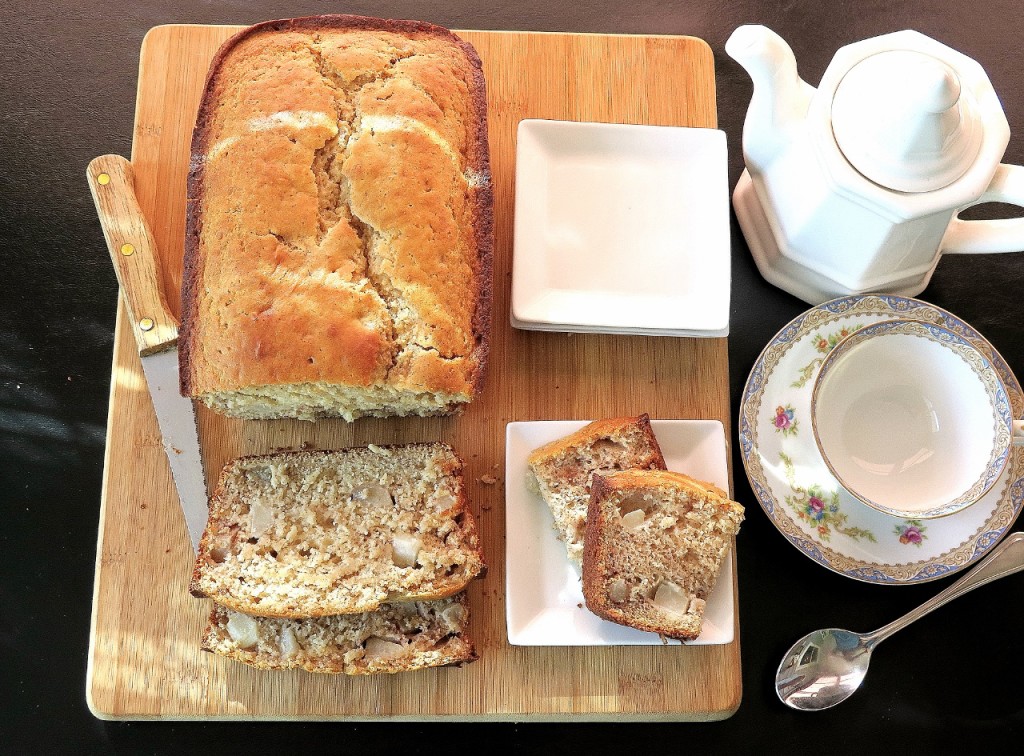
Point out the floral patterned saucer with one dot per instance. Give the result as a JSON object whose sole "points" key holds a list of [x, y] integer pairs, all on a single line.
{"points": [[806, 503]]}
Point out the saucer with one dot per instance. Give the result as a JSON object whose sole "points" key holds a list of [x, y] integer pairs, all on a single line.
{"points": [[621, 229], [806, 503], [543, 590]]}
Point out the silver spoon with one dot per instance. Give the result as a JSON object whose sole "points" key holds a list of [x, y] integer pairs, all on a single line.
{"points": [[825, 667]]}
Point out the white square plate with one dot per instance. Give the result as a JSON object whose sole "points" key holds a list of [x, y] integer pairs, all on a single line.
{"points": [[543, 592], [621, 229]]}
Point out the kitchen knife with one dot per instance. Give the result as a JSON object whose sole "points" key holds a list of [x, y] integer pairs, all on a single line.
{"points": [[134, 254]]}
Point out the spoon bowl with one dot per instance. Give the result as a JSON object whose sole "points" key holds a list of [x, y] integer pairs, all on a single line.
{"points": [[827, 666], [823, 669]]}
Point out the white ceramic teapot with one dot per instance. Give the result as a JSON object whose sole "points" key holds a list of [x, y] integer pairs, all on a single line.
{"points": [[854, 187]]}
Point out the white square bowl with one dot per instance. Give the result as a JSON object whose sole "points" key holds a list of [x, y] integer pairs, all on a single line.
{"points": [[621, 229], [543, 591]]}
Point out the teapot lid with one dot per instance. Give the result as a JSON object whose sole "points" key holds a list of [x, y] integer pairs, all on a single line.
{"points": [[902, 120]]}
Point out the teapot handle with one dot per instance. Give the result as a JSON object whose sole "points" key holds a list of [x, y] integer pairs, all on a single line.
{"points": [[1006, 235]]}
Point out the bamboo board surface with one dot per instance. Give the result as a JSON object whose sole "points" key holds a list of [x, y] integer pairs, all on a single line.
{"points": [[144, 657]]}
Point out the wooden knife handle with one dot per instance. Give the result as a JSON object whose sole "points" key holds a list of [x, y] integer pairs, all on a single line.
{"points": [[133, 252]]}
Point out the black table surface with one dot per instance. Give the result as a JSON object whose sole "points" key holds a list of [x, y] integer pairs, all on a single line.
{"points": [[69, 68]]}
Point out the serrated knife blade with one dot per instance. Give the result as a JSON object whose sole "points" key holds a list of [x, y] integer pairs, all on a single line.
{"points": [[134, 255]]}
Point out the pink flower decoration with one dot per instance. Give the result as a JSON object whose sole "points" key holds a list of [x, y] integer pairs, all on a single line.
{"points": [[783, 418]]}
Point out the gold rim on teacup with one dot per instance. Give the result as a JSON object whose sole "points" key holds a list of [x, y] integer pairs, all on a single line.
{"points": [[870, 457]]}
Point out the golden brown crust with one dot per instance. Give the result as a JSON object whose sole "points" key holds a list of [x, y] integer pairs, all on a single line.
{"points": [[325, 277], [628, 479], [596, 430]]}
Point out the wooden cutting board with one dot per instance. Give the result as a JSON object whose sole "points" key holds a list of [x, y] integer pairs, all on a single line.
{"points": [[144, 657]]}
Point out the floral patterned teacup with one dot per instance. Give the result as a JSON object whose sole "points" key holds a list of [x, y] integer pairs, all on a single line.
{"points": [[912, 419]]}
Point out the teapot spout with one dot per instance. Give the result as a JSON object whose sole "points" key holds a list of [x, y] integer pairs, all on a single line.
{"points": [[780, 98]]}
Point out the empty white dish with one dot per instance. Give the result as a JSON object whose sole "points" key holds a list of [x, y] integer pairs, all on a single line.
{"points": [[543, 592], [621, 229]]}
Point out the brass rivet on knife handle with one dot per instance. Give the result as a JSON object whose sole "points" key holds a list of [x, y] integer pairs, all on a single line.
{"points": [[133, 252]]}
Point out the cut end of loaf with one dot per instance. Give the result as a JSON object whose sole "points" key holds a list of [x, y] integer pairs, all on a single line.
{"points": [[314, 401], [655, 544]]}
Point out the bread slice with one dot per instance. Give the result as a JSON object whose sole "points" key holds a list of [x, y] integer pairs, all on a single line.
{"points": [[310, 534], [655, 543], [399, 637], [561, 471]]}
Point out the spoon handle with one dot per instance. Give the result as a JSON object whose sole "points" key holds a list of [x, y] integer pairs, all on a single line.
{"points": [[1005, 559]]}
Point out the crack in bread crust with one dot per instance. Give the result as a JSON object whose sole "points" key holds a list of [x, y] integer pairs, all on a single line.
{"points": [[333, 185]]}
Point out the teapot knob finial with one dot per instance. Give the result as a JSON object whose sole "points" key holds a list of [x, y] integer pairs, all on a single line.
{"points": [[939, 88]]}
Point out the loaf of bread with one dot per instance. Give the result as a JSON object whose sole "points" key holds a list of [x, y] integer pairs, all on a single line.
{"points": [[561, 471], [339, 223], [311, 534], [655, 543], [399, 637]]}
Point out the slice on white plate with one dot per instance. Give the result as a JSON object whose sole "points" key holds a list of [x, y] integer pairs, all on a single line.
{"points": [[543, 591]]}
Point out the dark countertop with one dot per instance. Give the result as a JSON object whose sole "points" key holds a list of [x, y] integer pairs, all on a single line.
{"points": [[68, 87]]}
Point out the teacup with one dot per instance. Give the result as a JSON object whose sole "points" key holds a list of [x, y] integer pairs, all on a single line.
{"points": [[912, 419]]}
